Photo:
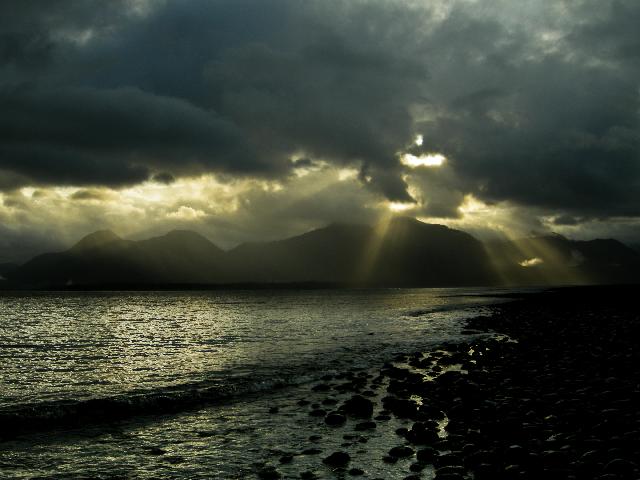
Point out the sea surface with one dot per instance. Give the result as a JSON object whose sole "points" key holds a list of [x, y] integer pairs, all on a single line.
{"points": [[180, 384]]}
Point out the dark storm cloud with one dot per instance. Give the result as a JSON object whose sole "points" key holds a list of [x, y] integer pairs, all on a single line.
{"points": [[113, 136], [164, 178], [557, 130], [538, 110], [219, 86]]}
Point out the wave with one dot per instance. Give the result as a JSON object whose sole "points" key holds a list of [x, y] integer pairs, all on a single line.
{"points": [[41, 416], [251, 379]]}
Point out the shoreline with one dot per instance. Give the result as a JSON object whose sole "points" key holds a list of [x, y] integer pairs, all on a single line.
{"points": [[541, 386], [552, 393]]}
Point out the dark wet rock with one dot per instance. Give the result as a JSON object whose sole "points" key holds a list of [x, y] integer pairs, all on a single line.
{"points": [[337, 459], [156, 451], [400, 407], [448, 459], [412, 477], [450, 470], [442, 444], [358, 406], [382, 417], [469, 449], [321, 387], [329, 401], [355, 472], [427, 455], [365, 426], [269, 473], [482, 456], [318, 412], [308, 475], [417, 466], [401, 452], [402, 431], [363, 440], [311, 451], [422, 433], [303, 403], [622, 467], [274, 410], [335, 419], [389, 459], [555, 458], [315, 438], [286, 459], [431, 412], [516, 454], [448, 476]]}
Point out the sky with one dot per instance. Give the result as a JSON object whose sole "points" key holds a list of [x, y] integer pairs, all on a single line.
{"points": [[251, 120]]}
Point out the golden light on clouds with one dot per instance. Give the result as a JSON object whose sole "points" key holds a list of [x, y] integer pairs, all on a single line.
{"points": [[400, 206], [419, 140], [428, 160], [347, 174], [531, 262], [471, 205], [186, 213]]}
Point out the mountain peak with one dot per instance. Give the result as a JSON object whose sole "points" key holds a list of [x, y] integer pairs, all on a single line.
{"points": [[185, 234], [184, 239], [96, 239]]}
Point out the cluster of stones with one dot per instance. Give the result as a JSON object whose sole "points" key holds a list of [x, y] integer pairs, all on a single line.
{"points": [[561, 402]]}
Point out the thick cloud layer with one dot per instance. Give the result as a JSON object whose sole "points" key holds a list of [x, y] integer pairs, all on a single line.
{"points": [[535, 105]]}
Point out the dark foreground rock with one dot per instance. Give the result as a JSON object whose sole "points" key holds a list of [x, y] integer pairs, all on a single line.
{"points": [[551, 393], [557, 399], [337, 459]]}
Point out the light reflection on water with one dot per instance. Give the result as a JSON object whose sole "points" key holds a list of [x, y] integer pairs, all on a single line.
{"points": [[76, 345], [71, 346]]}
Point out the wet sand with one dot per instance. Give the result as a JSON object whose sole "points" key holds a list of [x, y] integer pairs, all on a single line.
{"points": [[545, 387]]}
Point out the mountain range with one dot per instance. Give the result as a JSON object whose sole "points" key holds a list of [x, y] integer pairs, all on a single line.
{"points": [[398, 252]]}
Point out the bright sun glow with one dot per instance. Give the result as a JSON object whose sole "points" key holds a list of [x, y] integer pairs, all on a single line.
{"points": [[531, 262], [400, 206], [419, 140], [429, 160]]}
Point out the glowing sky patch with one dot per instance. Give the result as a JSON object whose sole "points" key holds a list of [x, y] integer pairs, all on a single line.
{"points": [[428, 160], [531, 262], [400, 206]]}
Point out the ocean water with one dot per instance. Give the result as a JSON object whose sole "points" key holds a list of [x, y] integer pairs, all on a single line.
{"points": [[180, 384]]}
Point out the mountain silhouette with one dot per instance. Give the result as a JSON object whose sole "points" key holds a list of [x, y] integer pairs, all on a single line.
{"points": [[105, 258], [554, 259], [397, 252], [6, 268], [400, 252]]}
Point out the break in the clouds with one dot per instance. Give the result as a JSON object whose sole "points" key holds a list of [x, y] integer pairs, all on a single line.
{"points": [[533, 108]]}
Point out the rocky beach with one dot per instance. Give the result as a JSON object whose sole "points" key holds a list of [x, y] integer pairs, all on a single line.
{"points": [[546, 386]]}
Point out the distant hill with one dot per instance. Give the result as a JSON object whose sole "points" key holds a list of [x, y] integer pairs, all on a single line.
{"points": [[5, 268], [401, 252], [105, 258], [398, 252], [554, 259]]}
